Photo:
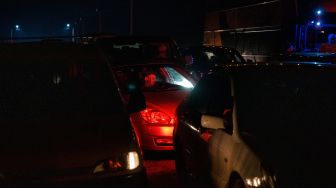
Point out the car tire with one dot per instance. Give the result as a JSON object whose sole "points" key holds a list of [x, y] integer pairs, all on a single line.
{"points": [[236, 182]]}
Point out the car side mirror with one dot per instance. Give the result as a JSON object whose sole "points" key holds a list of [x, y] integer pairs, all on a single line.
{"points": [[212, 122], [136, 102]]}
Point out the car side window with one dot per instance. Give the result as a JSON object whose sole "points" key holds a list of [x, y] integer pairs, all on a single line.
{"points": [[212, 95]]}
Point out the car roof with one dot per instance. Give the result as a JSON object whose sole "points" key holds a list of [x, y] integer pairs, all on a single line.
{"points": [[47, 50], [281, 66], [210, 48], [154, 63], [305, 56], [137, 39]]}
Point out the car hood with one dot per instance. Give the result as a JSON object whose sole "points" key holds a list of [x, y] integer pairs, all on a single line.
{"points": [[166, 101], [63, 143]]}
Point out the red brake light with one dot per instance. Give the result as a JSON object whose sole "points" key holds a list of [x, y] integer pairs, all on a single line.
{"points": [[156, 117]]}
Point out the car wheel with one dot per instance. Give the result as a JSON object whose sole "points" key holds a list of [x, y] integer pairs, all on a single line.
{"points": [[236, 182]]}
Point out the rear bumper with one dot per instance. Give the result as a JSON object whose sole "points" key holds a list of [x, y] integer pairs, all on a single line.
{"points": [[148, 143], [149, 136]]}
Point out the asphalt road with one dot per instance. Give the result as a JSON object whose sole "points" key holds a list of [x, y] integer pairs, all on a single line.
{"points": [[161, 169]]}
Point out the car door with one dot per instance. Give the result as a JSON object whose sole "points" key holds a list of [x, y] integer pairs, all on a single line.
{"points": [[211, 96], [190, 127]]}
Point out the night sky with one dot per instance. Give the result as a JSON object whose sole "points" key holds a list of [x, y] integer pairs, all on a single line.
{"points": [[177, 18], [181, 19]]}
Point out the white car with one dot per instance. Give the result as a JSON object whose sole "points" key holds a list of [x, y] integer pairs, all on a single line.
{"points": [[259, 126]]}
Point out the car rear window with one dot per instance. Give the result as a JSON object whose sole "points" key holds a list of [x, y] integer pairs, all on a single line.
{"points": [[140, 49], [56, 86], [153, 77]]}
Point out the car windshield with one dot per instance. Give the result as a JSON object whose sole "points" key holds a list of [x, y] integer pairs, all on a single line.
{"points": [[287, 104], [223, 56], [153, 77], [54, 84], [216, 55]]}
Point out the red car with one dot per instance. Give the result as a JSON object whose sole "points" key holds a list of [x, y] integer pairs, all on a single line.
{"points": [[164, 87]]}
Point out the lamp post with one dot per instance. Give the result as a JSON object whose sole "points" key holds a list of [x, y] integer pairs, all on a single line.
{"points": [[131, 17], [99, 12], [17, 28], [72, 27]]}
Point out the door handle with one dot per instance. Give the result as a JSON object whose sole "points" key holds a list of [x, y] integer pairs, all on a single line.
{"points": [[188, 151]]}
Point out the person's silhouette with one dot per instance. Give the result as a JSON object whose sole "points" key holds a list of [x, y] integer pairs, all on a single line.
{"points": [[163, 51]]}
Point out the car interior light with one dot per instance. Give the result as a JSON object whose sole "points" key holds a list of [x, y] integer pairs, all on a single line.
{"points": [[185, 83]]}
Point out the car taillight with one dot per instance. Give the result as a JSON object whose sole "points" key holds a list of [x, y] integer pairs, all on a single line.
{"points": [[156, 117]]}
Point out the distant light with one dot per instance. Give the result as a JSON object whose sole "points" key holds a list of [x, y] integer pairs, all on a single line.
{"points": [[319, 12], [318, 23], [67, 26], [322, 32], [312, 22], [17, 27]]}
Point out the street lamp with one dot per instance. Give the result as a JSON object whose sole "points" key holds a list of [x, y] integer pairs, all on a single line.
{"points": [[68, 27], [319, 12], [17, 28]]}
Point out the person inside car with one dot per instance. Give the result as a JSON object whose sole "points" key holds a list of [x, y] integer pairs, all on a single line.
{"points": [[162, 51], [150, 80]]}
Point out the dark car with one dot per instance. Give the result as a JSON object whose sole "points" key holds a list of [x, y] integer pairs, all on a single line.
{"points": [[203, 59], [164, 86], [268, 125], [63, 121], [140, 49]]}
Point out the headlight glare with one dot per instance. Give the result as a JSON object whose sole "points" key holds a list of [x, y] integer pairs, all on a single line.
{"points": [[110, 165], [132, 160], [253, 182]]}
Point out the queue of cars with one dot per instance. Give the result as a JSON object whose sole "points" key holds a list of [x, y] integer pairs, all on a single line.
{"points": [[75, 115]]}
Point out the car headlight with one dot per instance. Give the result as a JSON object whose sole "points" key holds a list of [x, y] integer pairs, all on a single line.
{"points": [[253, 182], [265, 180], [130, 161]]}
